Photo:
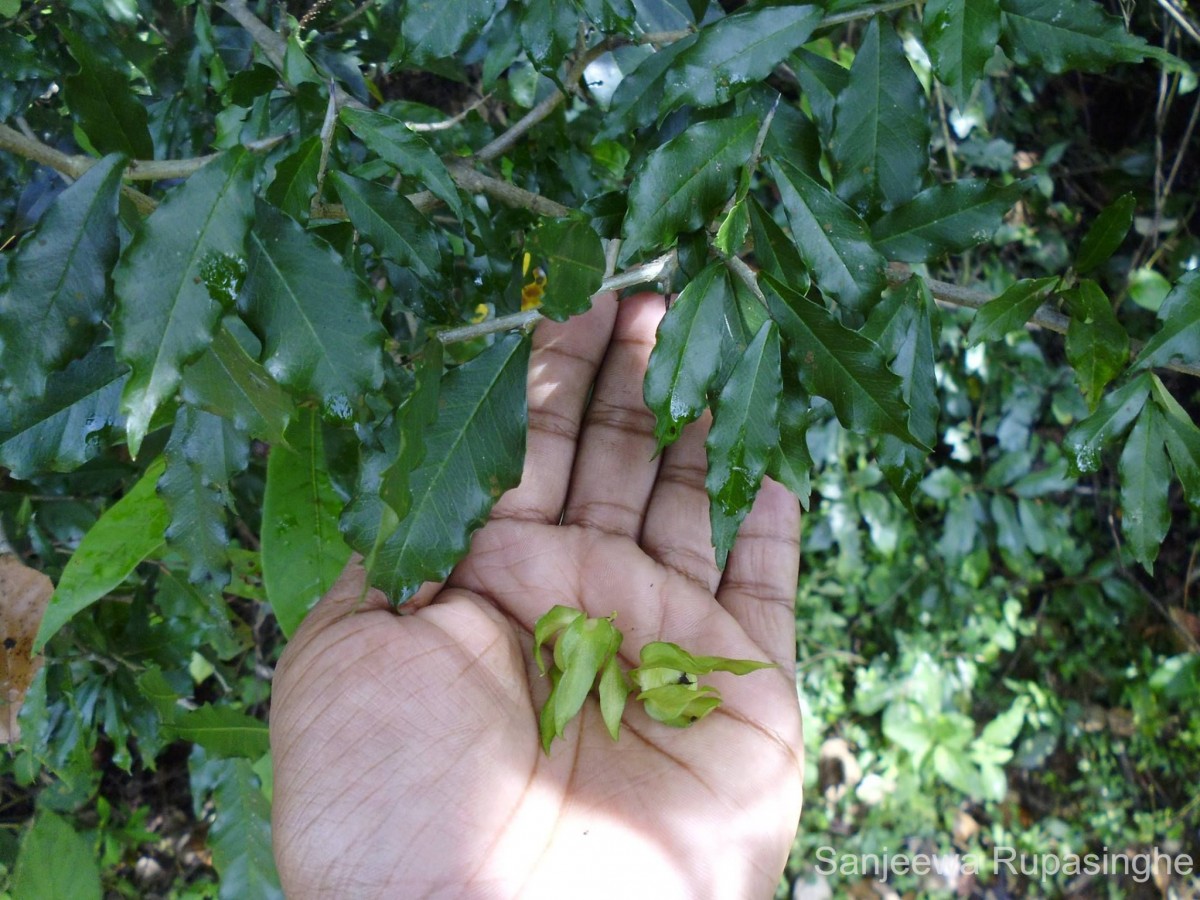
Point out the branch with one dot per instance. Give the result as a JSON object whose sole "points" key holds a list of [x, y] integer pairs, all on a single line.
{"points": [[1046, 316], [643, 274], [477, 183], [865, 12], [272, 45]]}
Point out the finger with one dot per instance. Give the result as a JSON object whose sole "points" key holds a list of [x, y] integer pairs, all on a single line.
{"points": [[677, 532], [615, 466], [759, 585], [562, 369]]}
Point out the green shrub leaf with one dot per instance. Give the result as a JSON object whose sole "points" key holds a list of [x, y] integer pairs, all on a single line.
{"points": [[129, 531], [880, 143], [55, 861], [961, 36], [946, 218], [221, 730], [57, 287], [302, 550], [1145, 483], [1178, 337], [175, 279], [1010, 310], [1112, 417], [390, 222], [570, 252], [745, 430], [1061, 35], [1097, 344], [1105, 234]]}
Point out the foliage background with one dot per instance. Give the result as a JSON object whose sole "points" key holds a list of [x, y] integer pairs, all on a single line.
{"points": [[983, 662]]}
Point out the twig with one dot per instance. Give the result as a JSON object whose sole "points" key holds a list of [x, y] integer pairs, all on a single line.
{"points": [[745, 274], [1181, 19], [272, 45], [477, 183], [865, 12], [352, 15], [448, 123], [326, 138], [642, 274]]}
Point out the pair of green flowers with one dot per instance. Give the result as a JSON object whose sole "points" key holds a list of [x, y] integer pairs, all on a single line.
{"points": [[585, 657]]}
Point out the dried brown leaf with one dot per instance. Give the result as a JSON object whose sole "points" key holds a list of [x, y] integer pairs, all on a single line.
{"points": [[24, 593]]}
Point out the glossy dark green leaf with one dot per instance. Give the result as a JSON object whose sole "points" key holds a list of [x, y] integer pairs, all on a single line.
{"points": [[1145, 484], [56, 289], [791, 464], [203, 454], [946, 218], [821, 80], [572, 257], [737, 50], [1183, 441], [1097, 345], [1178, 337], [731, 234], [403, 148], [1061, 35], [226, 382], [880, 144], [744, 432], [473, 454], [1010, 310], [635, 102], [549, 29], [774, 251], [312, 314], [55, 861], [1113, 415], [390, 222], [1106, 234], [221, 731], [295, 180], [831, 239], [168, 302], [302, 550], [79, 415], [432, 30], [903, 326], [102, 103], [685, 182], [838, 364], [415, 416], [686, 359], [128, 532], [240, 834], [960, 37]]}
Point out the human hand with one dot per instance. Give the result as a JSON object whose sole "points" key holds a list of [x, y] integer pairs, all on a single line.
{"points": [[406, 751]]}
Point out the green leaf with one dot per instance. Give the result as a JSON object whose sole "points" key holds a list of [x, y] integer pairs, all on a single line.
{"points": [[838, 364], [614, 692], [903, 326], [1112, 416], [684, 183], [76, 418], [732, 233], [414, 417], [473, 454], [390, 222], [203, 454], [822, 81], [774, 251], [791, 464], [1178, 338], [961, 36], [737, 50], [945, 218], [240, 836], [548, 32], [832, 240], [226, 382], [1004, 729], [403, 148], [1106, 234], [637, 98], [1145, 483], [302, 551], [1011, 310], [686, 359], [102, 103], [1183, 441], [166, 309], [1061, 35], [312, 314], [55, 861], [221, 731], [570, 252], [1097, 345], [880, 143], [432, 30], [56, 288], [547, 626], [129, 531], [295, 180], [745, 430]]}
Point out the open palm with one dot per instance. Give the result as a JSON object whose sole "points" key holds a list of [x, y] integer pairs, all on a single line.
{"points": [[406, 749]]}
